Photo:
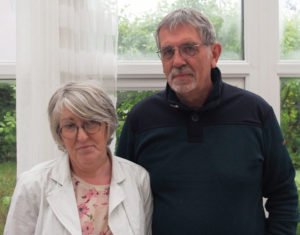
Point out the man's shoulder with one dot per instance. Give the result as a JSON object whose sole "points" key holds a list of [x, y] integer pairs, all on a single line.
{"points": [[149, 105], [244, 103], [233, 92], [151, 101]]}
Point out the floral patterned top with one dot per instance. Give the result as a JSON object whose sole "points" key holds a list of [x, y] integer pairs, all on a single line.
{"points": [[92, 204]]}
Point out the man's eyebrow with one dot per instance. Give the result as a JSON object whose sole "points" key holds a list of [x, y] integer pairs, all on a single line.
{"points": [[184, 43], [167, 47]]}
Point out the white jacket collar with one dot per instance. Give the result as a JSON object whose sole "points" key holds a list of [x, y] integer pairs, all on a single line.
{"points": [[64, 192], [62, 199]]}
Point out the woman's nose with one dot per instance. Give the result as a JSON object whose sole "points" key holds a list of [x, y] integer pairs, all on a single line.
{"points": [[81, 134]]}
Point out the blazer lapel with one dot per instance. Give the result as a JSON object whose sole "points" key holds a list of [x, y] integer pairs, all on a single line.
{"points": [[117, 194], [62, 199], [118, 218]]}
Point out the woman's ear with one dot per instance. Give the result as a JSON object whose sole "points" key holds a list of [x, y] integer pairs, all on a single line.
{"points": [[216, 50]]}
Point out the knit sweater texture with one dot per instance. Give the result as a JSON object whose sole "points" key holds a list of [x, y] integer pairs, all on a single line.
{"points": [[210, 168]]}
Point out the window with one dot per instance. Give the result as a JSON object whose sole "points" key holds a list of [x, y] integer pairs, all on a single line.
{"points": [[139, 67], [7, 32], [7, 120], [290, 117], [265, 57], [138, 20], [290, 29]]}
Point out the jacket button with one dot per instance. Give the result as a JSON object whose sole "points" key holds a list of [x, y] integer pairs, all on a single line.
{"points": [[195, 117]]}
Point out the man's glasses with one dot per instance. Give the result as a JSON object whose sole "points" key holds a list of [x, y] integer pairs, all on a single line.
{"points": [[186, 50], [70, 130]]}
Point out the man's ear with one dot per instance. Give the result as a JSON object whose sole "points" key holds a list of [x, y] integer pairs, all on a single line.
{"points": [[216, 50]]}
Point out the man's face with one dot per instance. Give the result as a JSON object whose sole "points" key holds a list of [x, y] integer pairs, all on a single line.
{"points": [[187, 75]]}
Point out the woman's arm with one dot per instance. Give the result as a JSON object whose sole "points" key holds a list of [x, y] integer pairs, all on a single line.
{"points": [[24, 207], [148, 203]]}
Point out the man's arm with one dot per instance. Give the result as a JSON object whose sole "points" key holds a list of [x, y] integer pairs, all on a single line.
{"points": [[278, 183], [125, 147]]}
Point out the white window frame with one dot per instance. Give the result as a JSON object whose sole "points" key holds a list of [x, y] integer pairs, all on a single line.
{"points": [[261, 70], [7, 70]]}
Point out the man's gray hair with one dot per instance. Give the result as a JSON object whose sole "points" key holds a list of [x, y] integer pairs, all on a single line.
{"points": [[191, 17], [86, 100]]}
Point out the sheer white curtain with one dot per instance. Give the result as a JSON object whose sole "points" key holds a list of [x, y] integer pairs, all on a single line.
{"points": [[58, 41]]}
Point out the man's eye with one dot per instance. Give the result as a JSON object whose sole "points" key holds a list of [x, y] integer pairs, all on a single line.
{"points": [[189, 49], [167, 52]]}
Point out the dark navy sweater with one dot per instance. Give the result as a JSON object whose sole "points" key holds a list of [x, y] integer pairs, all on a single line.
{"points": [[210, 167]]}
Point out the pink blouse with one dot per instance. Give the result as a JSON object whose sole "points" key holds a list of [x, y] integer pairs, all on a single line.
{"points": [[92, 204]]}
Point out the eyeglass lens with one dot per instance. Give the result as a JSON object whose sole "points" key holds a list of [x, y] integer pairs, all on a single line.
{"points": [[70, 130], [185, 50]]}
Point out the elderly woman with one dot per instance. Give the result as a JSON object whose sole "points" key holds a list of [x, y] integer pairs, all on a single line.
{"points": [[87, 191]]}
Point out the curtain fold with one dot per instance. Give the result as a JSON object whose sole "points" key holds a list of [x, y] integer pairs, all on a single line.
{"points": [[58, 41]]}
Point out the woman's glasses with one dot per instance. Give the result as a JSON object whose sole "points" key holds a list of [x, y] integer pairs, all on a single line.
{"points": [[70, 130]]}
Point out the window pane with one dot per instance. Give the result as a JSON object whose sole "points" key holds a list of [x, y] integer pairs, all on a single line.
{"points": [[125, 101], [290, 29], [7, 146], [137, 26], [7, 121], [290, 116], [7, 31], [290, 122]]}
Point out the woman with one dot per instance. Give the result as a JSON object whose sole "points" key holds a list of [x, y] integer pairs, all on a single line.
{"points": [[87, 191]]}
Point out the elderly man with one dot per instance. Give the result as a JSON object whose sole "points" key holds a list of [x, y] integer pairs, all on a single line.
{"points": [[213, 150]]}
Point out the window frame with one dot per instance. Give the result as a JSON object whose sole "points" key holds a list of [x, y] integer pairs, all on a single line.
{"points": [[261, 69]]}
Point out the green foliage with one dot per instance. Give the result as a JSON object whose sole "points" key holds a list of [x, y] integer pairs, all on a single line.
{"points": [[291, 37], [7, 122], [136, 33], [290, 117], [126, 100], [7, 184]]}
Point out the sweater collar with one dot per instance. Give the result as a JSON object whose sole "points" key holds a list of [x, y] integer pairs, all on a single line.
{"points": [[212, 99]]}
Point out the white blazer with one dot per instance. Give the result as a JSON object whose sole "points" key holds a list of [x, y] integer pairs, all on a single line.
{"points": [[44, 201]]}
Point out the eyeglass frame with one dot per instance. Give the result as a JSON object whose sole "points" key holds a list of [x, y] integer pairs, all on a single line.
{"points": [[83, 127], [159, 52]]}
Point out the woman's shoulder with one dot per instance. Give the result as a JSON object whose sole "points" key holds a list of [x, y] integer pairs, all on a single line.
{"points": [[38, 174], [39, 168]]}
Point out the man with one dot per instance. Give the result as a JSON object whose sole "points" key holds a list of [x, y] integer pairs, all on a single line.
{"points": [[213, 150]]}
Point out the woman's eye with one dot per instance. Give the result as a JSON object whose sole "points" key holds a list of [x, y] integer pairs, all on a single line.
{"points": [[91, 124], [69, 126]]}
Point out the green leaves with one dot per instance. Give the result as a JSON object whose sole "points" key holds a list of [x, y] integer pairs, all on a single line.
{"points": [[126, 100], [290, 116], [291, 37], [5, 200], [136, 32], [7, 122]]}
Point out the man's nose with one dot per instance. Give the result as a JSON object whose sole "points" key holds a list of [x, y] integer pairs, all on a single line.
{"points": [[178, 60]]}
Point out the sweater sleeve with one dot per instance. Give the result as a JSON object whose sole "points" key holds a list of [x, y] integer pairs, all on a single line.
{"points": [[278, 181], [125, 147]]}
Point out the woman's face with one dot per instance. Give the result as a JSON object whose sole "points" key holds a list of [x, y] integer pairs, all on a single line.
{"points": [[86, 151]]}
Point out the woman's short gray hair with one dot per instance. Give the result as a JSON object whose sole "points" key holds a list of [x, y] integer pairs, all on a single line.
{"points": [[87, 101], [192, 17]]}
